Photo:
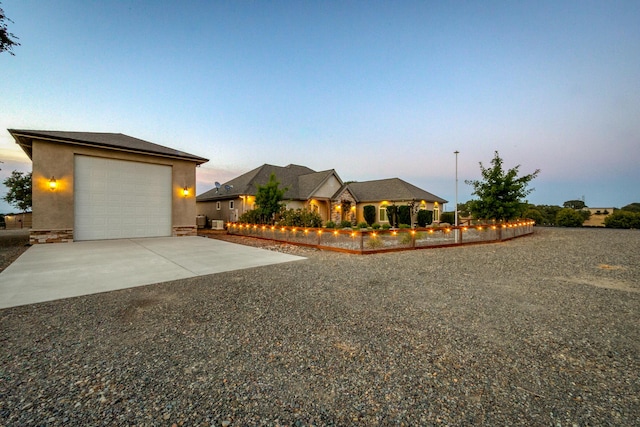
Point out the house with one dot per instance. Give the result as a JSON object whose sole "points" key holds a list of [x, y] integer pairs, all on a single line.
{"points": [[382, 193], [92, 186], [321, 192], [597, 217], [306, 189]]}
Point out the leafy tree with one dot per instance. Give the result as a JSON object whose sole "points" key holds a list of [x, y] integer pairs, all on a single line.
{"points": [[534, 214], [7, 41], [568, 217], [574, 204], [623, 219], [631, 207], [19, 194], [269, 198], [499, 192], [369, 212]]}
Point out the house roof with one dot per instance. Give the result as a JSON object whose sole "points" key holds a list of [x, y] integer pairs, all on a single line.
{"points": [[392, 190], [300, 181], [112, 141]]}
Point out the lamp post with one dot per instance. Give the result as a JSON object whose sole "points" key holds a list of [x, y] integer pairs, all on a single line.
{"points": [[456, 209]]}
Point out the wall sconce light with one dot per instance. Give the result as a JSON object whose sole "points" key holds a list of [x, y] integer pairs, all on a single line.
{"points": [[185, 191], [53, 184]]}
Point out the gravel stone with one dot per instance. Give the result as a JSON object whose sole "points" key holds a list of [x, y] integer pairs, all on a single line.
{"points": [[540, 330]]}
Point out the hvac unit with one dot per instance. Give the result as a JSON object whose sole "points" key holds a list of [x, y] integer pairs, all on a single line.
{"points": [[201, 221], [217, 224]]}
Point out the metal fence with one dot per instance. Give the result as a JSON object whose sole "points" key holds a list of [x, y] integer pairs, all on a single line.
{"points": [[366, 241]]}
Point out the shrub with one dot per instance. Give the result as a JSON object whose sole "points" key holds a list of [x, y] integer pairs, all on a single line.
{"points": [[345, 224], [623, 219], [386, 226], [254, 216], [404, 214], [406, 238], [404, 226], [568, 217], [448, 217], [369, 212], [376, 226], [374, 242], [330, 224], [534, 214], [300, 218], [363, 225], [425, 217]]}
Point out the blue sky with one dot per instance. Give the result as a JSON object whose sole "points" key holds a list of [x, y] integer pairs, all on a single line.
{"points": [[371, 89]]}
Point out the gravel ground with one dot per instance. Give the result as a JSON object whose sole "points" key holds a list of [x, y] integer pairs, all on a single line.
{"points": [[541, 330], [12, 244]]}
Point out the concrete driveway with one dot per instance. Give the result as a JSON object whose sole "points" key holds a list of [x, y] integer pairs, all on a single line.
{"points": [[55, 271]]}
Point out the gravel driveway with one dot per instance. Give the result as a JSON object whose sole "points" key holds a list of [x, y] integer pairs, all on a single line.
{"points": [[541, 330]]}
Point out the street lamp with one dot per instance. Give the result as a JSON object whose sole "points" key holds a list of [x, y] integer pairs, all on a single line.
{"points": [[456, 211]]}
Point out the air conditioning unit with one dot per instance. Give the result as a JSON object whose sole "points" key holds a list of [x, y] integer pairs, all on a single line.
{"points": [[217, 224], [201, 221]]}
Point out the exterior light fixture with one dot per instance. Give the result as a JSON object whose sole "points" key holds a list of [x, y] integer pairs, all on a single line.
{"points": [[185, 191], [53, 184]]}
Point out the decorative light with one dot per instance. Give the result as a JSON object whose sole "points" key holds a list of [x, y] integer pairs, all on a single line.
{"points": [[53, 184], [185, 191]]}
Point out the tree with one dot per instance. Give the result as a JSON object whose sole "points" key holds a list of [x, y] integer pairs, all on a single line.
{"points": [[574, 204], [632, 207], [19, 194], [269, 197], [623, 219], [568, 217], [7, 41], [500, 192]]}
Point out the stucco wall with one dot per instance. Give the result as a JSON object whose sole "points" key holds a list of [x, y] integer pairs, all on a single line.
{"points": [[54, 210]]}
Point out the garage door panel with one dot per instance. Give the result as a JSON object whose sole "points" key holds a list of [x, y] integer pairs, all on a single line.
{"points": [[121, 199]]}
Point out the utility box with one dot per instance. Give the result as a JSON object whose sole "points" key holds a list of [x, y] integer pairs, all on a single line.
{"points": [[201, 221], [217, 224]]}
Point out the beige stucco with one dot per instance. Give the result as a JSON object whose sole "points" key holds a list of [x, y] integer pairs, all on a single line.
{"points": [[54, 210]]}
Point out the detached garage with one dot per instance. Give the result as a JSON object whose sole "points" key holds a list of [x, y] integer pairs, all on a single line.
{"points": [[93, 186]]}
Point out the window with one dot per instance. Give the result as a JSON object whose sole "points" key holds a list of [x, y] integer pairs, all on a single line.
{"points": [[218, 206], [383, 214], [231, 206], [436, 214]]}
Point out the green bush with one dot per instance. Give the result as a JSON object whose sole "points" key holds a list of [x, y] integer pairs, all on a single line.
{"points": [[404, 214], [386, 226], [448, 217], [404, 226], [535, 215], [300, 218], [376, 226], [369, 212], [254, 216], [363, 225], [330, 224], [568, 217], [623, 219], [345, 224], [425, 217]]}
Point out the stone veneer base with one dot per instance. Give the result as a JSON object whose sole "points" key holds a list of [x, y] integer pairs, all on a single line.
{"points": [[190, 230], [50, 236]]}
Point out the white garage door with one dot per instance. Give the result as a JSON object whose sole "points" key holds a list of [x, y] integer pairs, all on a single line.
{"points": [[117, 199]]}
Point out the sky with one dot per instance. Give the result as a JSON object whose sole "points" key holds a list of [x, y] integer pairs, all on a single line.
{"points": [[372, 89]]}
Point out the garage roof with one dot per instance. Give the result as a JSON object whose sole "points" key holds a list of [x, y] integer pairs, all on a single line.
{"points": [[113, 141]]}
